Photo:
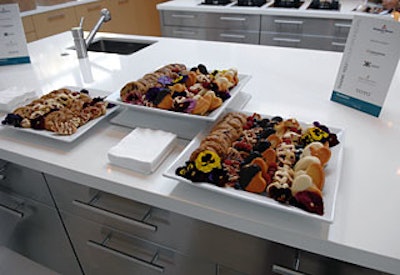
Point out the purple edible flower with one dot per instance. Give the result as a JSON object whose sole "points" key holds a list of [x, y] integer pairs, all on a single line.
{"points": [[192, 104], [165, 80], [152, 93]]}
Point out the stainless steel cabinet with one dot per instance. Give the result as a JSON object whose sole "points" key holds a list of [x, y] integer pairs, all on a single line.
{"points": [[236, 36], [303, 41], [29, 222], [304, 32], [106, 250], [240, 28], [310, 263], [287, 31], [306, 25], [182, 240]]}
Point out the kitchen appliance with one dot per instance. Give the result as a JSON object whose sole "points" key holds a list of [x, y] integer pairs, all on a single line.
{"points": [[288, 3], [251, 3], [324, 5], [216, 2]]}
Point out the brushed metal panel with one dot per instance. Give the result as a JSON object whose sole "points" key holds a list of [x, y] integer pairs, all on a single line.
{"points": [[106, 250], [186, 235], [316, 264], [38, 234], [25, 182], [306, 25], [212, 20], [232, 35]]}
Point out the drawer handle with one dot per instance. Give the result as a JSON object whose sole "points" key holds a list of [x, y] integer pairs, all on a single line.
{"points": [[289, 22], [341, 25], [185, 16], [115, 252], [184, 32], [12, 211], [290, 40], [228, 35], [139, 223], [56, 17], [231, 18], [285, 271], [338, 44], [121, 2]]}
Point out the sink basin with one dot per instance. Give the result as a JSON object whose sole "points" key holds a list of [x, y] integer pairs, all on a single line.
{"points": [[118, 46]]}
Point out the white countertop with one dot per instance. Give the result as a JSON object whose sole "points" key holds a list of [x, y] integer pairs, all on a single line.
{"points": [[285, 81], [345, 11]]}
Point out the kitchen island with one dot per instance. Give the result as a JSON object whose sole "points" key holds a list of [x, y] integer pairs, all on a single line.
{"points": [[318, 25], [287, 82]]}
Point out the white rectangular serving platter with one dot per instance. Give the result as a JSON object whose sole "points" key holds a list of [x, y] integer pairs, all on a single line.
{"points": [[81, 130], [213, 116], [332, 178]]}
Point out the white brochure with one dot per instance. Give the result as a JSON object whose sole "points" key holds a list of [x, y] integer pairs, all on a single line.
{"points": [[13, 47], [368, 64]]}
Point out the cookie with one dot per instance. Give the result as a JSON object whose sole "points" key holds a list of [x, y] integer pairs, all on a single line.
{"points": [[251, 179]]}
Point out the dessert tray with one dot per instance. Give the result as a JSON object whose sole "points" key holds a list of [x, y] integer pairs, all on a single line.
{"points": [[80, 131], [212, 116], [329, 193]]}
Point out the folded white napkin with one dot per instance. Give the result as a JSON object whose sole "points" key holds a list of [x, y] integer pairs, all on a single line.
{"points": [[13, 97], [142, 150]]}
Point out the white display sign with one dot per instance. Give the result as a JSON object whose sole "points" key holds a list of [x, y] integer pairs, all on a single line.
{"points": [[13, 47], [369, 61]]}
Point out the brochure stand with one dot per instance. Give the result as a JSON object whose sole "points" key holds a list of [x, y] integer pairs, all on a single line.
{"points": [[13, 47], [369, 62]]}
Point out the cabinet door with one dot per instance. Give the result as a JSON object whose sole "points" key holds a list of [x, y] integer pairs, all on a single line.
{"points": [[124, 16], [34, 230], [91, 14], [25, 182], [29, 28], [134, 17], [106, 250], [148, 17], [54, 22]]}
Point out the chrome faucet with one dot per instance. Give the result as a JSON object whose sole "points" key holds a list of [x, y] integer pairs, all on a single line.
{"points": [[82, 44]]}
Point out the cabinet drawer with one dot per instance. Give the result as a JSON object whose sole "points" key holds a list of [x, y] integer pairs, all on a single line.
{"points": [[211, 20], [304, 25], [30, 36], [180, 233], [106, 250], [53, 22], [34, 230], [27, 22], [236, 36], [25, 182], [303, 41], [316, 264]]}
